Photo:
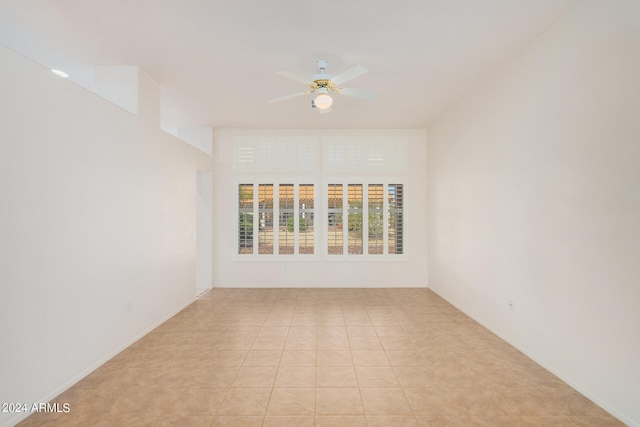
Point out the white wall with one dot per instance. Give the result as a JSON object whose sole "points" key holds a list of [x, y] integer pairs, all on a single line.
{"points": [[200, 137], [119, 85], [96, 221], [534, 197], [323, 271]]}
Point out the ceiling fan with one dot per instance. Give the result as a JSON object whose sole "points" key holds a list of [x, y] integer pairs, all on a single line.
{"points": [[324, 84]]}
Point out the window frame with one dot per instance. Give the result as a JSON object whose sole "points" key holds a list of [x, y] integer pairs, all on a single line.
{"points": [[320, 213], [385, 181], [275, 256]]}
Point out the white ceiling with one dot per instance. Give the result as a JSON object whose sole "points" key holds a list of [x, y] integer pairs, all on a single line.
{"points": [[215, 59]]}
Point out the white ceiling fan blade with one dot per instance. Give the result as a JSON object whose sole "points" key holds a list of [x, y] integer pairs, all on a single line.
{"points": [[325, 111], [288, 75], [358, 93], [284, 98], [349, 73]]}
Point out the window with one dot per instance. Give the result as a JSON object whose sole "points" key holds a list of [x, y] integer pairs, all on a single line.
{"points": [[325, 195], [354, 219], [306, 238], [285, 219], [245, 220], [334, 220], [376, 208], [265, 218], [360, 219], [395, 192], [286, 215], [376, 219]]}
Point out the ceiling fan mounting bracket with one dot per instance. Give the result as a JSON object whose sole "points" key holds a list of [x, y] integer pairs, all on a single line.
{"points": [[322, 65]]}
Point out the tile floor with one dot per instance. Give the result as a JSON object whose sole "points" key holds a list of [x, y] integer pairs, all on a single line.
{"points": [[322, 357]]}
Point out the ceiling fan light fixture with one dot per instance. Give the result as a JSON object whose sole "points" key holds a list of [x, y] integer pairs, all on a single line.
{"points": [[323, 84], [323, 101]]}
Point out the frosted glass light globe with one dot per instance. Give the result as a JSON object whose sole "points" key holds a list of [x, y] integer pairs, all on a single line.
{"points": [[323, 101]]}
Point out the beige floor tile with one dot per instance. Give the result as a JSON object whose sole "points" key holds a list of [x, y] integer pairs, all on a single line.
{"points": [[385, 321], [119, 418], [263, 358], [436, 401], [578, 405], [292, 401], [255, 376], [370, 358], [268, 343], [332, 331], [405, 358], [334, 358], [296, 376], [341, 421], [298, 358], [365, 343], [303, 331], [390, 331], [435, 420], [245, 401], [391, 421], [87, 402], [236, 343], [281, 357], [56, 420], [289, 421], [245, 331], [278, 321], [186, 402], [362, 331], [336, 376], [385, 401], [228, 357], [273, 331], [597, 421], [535, 401], [414, 376], [237, 421], [486, 422], [333, 343], [306, 320], [370, 376], [214, 377], [307, 343], [331, 321], [357, 321], [250, 320], [338, 401], [398, 343], [191, 421]]}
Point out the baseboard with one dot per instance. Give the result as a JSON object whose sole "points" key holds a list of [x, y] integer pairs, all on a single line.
{"points": [[569, 381], [74, 380], [328, 286]]}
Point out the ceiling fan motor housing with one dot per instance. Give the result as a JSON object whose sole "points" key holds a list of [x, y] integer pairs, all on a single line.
{"points": [[322, 85]]}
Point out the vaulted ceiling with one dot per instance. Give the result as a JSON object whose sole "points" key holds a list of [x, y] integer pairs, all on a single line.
{"points": [[215, 59]]}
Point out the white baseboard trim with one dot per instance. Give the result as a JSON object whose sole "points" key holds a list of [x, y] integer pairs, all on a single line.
{"points": [[569, 381], [74, 380]]}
